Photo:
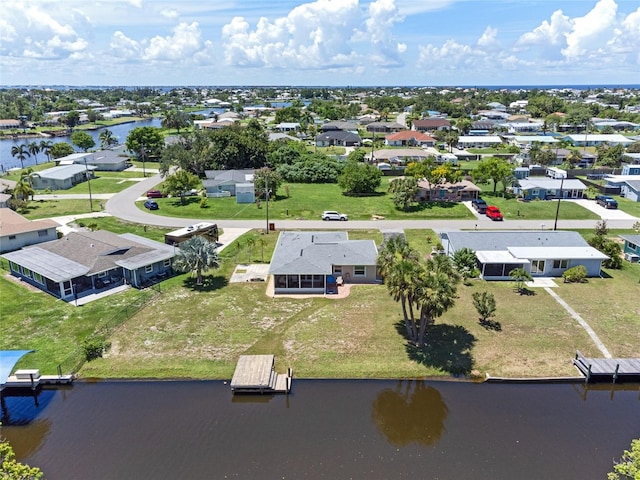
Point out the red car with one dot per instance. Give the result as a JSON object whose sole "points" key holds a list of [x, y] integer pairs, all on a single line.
{"points": [[154, 194], [494, 213]]}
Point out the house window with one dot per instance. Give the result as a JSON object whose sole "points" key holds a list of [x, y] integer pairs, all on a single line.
{"points": [[14, 267], [38, 278], [359, 271], [293, 281], [166, 263], [43, 233], [633, 246], [337, 269], [560, 263], [12, 237], [26, 272], [318, 281], [102, 274], [148, 269], [535, 192]]}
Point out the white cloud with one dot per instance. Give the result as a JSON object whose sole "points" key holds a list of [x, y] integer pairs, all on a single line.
{"points": [[124, 47], [169, 13], [588, 33], [549, 32], [317, 35]]}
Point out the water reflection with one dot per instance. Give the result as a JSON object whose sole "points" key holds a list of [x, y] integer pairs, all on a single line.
{"points": [[412, 412]]}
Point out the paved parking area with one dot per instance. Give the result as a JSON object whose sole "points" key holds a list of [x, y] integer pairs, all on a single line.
{"points": [[603, 213], [254, 272]]}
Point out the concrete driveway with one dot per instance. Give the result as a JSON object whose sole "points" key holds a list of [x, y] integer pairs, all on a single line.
{"points": [[603, 213]]}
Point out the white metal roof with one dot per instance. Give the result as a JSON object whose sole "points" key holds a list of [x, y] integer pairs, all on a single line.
{"points": [[499, 256], [558, 253]]}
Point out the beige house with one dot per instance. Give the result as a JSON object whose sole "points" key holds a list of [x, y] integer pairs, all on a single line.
{"points": [[17, 232]]}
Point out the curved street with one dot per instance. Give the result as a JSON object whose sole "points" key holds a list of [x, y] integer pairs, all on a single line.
{"points": [[122, 205]]}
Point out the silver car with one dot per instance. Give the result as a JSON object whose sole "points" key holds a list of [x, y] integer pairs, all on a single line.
{"points": [[333, 215]]}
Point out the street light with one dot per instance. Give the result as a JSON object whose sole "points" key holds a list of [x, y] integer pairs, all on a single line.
{"points": [[266, 195]]}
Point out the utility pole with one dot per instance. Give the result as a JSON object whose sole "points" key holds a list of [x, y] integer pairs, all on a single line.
{"points": [[555, 225], [266, 195], [86, 172]]}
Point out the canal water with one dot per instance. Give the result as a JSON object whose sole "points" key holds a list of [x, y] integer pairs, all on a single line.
{"points": [[120, 132], [324, 429]]}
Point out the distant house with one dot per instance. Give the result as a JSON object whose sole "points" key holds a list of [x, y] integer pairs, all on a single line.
{"points": [[62, 177], [338, 138], [385, 127], [630, 170], [314, 262], [542, 188], [9, 124], [83, 263], [594, 140], [631, 249], [102, 160], [541, 253], [478, 141], [447, 191], [631, 190], [17, 232], [275, 136], [230, 183], [339, 125], [287, 127], [409, 138], [431, 124], [401, 156]]}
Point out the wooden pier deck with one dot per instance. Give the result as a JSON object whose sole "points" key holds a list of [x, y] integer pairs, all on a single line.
{"points": [[608, 369], [256, 374], [32, 379]]}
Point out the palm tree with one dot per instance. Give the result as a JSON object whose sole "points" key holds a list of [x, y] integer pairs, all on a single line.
{"points": [[107, 139], [251, 242], [23, 190], [27, 177], [392, 250], [197, 255], [21, 151], [45, 147], [34, 149]]}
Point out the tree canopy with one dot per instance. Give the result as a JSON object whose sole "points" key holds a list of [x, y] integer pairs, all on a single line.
{"points": [[61, 149], [82, 140], [494, 169], [359, 178], [197, 255], [145, 142], [180, 182]]}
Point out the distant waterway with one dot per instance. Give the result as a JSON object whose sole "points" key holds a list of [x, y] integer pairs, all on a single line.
{"points": [[373, 429], [120, 131]]}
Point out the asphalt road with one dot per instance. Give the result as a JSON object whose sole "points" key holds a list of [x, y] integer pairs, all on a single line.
{"points": [[122, 205]]}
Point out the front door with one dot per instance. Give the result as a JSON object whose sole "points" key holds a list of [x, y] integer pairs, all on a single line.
{"points": [[537, 266]]}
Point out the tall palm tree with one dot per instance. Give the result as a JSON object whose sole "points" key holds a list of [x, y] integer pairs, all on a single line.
{"points": [[21, 151], [22, 190], [45, 147], [34, 149], [107, 139], [197, 255]]}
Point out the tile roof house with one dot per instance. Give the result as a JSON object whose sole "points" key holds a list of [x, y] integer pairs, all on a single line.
{"points": [[409, 138], [545, 253], [312, 262], [17, 232], [83, 263], [431, 124]]}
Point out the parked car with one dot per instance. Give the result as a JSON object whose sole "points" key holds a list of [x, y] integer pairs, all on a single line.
{"points": [[606, 201], [333, 215], [151, 205], [479, 204], [494, 213], [154, 194]]}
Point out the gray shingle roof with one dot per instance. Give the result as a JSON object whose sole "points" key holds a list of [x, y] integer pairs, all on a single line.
{"points": [[64, 171], [317, 252], [225, 177], [502, 240]]}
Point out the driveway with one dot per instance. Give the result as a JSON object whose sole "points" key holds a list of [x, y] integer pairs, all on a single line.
{"points": [[603, 213]]}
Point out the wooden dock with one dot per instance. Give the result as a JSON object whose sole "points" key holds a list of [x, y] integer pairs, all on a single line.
{"points": [[31, 378], [608, 369], [256, 374]]}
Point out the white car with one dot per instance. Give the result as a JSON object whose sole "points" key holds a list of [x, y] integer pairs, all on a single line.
{"points": [[333, 215]]}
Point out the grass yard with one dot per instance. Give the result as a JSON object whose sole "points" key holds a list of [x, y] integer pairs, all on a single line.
{"points": [[511, 208], [628, 206], [306, 202], [115, 225], [105, 182], [56, 208]]}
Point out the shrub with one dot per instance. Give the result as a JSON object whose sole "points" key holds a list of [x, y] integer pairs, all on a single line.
{"points": [[94, 348], [204, 202], [576, 274]]}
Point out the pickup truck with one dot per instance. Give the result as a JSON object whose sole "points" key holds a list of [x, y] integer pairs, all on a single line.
{"points": [[494, 213], [606, 201]]}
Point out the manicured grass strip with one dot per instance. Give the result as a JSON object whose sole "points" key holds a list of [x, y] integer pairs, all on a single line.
{"points": [[56, 208]]}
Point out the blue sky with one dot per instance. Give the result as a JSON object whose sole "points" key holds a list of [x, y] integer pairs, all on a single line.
{"points": [[322, 42]]}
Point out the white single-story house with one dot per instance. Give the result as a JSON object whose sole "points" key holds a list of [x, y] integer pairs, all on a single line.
{"points": [[594, 140], [230, 183], [409, 138], [316, 262], [545, 188], [103, 160], [544, 253], [400, 156], [478, 141], [524, 140], [62, 177], [83, 263], [17, 232]]}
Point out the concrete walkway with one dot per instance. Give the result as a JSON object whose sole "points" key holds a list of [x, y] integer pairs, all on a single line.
{"points": [[581, 321], [604, 213]]}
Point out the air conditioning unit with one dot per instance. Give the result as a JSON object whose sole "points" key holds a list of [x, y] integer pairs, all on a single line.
{"points": [[632, 257]]}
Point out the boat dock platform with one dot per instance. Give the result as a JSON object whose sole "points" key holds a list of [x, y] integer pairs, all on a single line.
{"points": [[608, 369], [31, 378], [256, 374]]}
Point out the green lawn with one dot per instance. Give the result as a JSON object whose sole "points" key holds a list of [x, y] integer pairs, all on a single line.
{"points": [[306, 202], [512, 208], [626, 205], [56, 208], [188, 332], [115, 225], [105, 182]]}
